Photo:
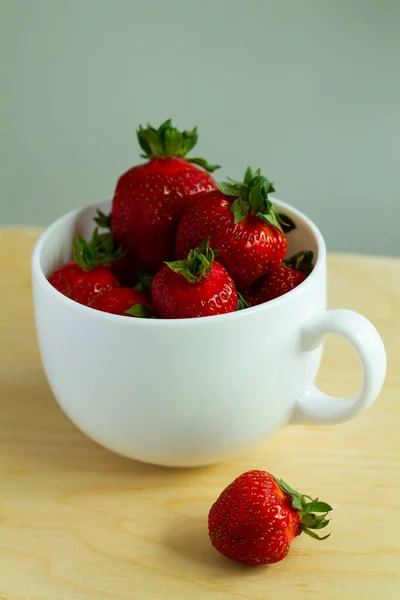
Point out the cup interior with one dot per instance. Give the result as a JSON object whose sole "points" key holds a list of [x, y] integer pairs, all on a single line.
{"points": [[55, 245]]}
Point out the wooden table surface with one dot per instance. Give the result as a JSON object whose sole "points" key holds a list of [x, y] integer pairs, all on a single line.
{"points": [[78, 522]]}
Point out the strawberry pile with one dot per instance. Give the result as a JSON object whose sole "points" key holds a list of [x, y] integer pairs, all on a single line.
{"points": [[179, 245]]}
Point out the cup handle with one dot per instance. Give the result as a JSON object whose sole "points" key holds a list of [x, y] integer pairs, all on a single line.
{"points": [[316, 408]]}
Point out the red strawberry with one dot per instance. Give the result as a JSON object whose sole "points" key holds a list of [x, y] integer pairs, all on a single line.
{"points": [[119, 301], [150, 199], [89, 275], [63, 277], [242, 224], [256, 517], [280, 282], [124, 269], [82, 286], [196, 287]]}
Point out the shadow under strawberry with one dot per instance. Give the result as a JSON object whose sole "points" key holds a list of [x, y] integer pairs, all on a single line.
{"points": [[188, 538]]}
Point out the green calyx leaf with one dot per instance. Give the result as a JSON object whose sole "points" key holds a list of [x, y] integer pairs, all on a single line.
{"points": [[201, 162], [252, 197], [142, 311], [302, 261], [317, 506], [314, 535], [103, 220], [240, 209], [167, 141], [248, 176], [197, 264], [287, 223], [145, 280], [241, 302], [258, 189], [101, 250], [313, 513], [233, 188], [270, 217]]}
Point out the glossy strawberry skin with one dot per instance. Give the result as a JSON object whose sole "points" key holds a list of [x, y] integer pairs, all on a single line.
{"points": [[83, 286], [253, 521], [248, 249], [148, 202], [273, 285], [176, 298], [63, 277], [118, 301]]}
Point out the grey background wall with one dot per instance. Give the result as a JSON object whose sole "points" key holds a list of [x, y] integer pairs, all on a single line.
{"points": [[309, 90]]}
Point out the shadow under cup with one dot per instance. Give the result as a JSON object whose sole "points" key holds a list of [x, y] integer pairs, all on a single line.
{"points": [[186, 392]]}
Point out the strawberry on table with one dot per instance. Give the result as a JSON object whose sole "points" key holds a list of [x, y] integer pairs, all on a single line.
{"points": [[149, 199], [293, 271], [196, 287], [256, 518], [241, 223], [89, 275]]}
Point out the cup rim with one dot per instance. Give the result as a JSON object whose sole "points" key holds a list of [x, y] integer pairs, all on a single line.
{"points": [[38, 274]]}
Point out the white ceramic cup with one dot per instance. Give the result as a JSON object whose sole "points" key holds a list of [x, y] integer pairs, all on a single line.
{"points": [[196, 391]]}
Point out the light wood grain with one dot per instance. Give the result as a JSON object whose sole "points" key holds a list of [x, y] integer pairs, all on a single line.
{"points": [[80, 523]]}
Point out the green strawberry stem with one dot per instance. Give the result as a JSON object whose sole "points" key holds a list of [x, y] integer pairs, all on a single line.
{"points": [[308, 508], [99, 251], [197, 264], [167, 141], [302, 261], [252, 197]]}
